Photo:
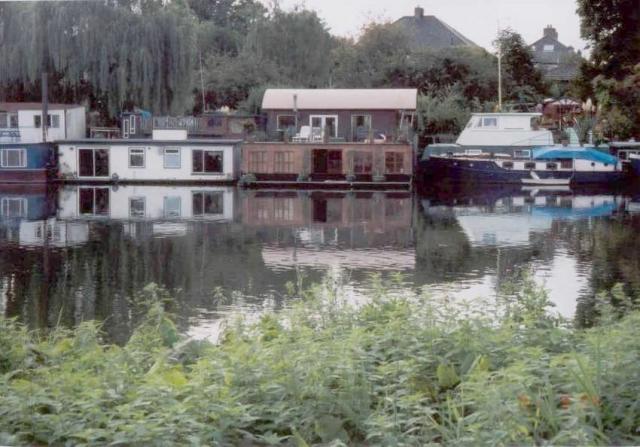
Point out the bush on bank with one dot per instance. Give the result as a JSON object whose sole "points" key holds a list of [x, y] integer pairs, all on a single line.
{"points": [[395, 371]]}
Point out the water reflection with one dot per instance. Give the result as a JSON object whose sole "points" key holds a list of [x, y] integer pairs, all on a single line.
{"points": [[85, 252]]}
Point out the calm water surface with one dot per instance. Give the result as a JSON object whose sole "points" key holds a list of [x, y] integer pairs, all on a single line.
{"points": [[85, 252]]}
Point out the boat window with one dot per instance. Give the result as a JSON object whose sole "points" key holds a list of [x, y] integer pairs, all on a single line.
{"points": [[548, 48], [530, 165], [136, 157], [522, 153], [93, 162], [552, 166], [172, 158], [566, 164], [13, 158], [622, 155], [207, 161], [507, 164], [489, 122]]}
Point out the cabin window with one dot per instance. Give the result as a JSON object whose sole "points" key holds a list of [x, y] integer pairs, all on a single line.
{"points": [[489, 122], [172, 207], [132, 124], [258, 161], [136, 157], [507, 164], [362, 162], [360, 127], [137, 207], [172, 158], [4, 120], [283, 162], [125, 128], [394, 162], [566, 164], [522, 153], [529, 165], [552, 166], [52, 121], [14, 207], [286, 122], [208, 203], [14, 158], [548, 48], [93, 162], [207, 162], [94, 201]]}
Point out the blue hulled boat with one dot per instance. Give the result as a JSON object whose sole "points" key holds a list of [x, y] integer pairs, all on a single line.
{"points": [[548, 165]]}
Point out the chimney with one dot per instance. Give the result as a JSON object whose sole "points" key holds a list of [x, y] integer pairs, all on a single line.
{"points": [[550, 31], [418, 12]]}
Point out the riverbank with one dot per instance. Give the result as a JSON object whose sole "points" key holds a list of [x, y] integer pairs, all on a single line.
{"points": [[394, 371]]}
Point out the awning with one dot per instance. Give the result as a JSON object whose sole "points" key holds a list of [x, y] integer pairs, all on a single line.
{"points": [[554, 153]]}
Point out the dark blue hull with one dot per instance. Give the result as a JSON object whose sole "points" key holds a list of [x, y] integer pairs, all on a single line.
{"points": [[486, 171], [635, 167]]}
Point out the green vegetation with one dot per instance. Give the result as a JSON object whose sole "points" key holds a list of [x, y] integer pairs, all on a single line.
{"points": [[612, 74], [395, 371]]}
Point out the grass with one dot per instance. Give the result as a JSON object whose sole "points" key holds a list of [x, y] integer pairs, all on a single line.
{"points": [[395, 371]]}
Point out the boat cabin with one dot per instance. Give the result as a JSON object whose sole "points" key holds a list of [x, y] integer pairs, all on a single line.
{"points": [[487, 130], [168, 157], [26, 163]]}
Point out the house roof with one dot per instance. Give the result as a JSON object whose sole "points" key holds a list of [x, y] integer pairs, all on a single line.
{"points": [[340, 99], [16, 106], [430, 32]]}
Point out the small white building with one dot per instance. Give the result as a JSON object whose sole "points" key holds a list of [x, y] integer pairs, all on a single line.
{"points": [[21, 122], [168, 157], [146, 203]]}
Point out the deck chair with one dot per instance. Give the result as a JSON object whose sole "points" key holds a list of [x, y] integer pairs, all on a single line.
{"points": [[303, 135]]}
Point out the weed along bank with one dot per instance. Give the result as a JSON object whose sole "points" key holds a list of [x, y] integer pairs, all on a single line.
{"points": [[168, 157], [354, 136]]}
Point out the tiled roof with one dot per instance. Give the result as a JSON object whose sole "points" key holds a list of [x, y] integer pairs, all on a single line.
{"points": [[430, 32]]}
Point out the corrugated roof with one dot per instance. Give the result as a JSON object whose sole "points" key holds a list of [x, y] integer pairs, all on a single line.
{"points": [[340, 99], [16, 106]]}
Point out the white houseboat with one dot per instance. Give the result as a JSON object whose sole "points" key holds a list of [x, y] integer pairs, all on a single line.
{"points": [[498, 133], [168, 157]]}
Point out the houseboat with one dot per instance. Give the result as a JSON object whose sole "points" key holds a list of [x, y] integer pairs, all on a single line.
{"points": [[551, 165], [167, 157], [322, 137], [27, 162], [21, 122], [498, 133]]}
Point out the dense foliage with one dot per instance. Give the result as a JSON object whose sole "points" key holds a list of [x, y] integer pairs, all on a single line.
{"points": [[394, 371], [612, 75]]}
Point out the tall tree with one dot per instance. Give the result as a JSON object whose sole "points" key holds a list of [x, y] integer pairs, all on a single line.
{"points": [[522, 82], [612, 74], [140, 53]]}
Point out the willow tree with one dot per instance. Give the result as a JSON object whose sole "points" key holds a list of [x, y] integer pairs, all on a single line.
{"points": [[145, 57]]}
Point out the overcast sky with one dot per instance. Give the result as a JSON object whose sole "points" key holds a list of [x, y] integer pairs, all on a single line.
{"points": [[475, 19]]}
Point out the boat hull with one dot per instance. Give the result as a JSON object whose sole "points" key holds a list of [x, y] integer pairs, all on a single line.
{"points": [[487, 171]]}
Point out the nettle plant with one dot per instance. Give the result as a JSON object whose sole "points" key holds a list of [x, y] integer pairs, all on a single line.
{"points": [[392, 370]]}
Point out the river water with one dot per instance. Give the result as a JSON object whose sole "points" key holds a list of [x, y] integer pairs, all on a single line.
{"points": [[86, 252]]}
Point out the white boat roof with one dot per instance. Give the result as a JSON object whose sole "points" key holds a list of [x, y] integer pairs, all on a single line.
{"points": [[341, 99]]}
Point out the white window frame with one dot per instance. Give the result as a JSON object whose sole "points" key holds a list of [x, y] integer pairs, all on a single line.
{"points": [[549, 48], [164, 157], [484, 118], [164, 207], [50, 120], [94, 150], [125, 128], [144, 157], [4, 158], [323, 120], [5, 206], [132, 124], [204, 171], [144, 207]]}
